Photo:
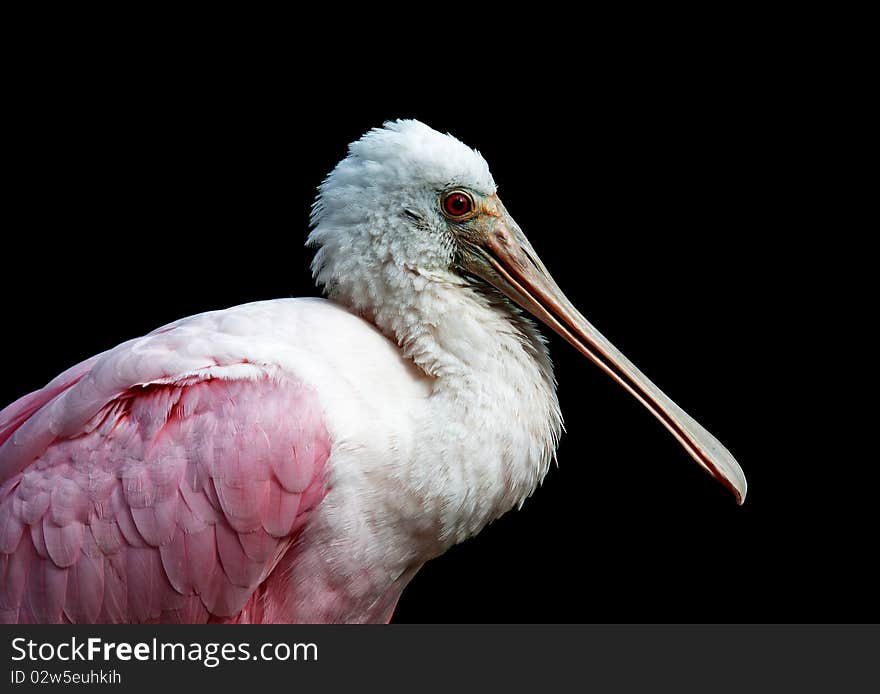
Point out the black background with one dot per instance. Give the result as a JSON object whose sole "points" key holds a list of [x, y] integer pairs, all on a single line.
{"points": [[665, 188]]}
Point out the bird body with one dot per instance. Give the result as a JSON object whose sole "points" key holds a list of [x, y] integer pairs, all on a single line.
{"points": [[298, 460], [115, 487]]}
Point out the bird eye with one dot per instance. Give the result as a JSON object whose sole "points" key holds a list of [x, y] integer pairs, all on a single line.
{"points": [[457, 204]]}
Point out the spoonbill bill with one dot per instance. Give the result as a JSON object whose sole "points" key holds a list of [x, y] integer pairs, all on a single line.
{"points": [[299, 460]]}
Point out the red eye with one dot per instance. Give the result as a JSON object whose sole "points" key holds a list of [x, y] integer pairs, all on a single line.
{"points": [[457, 204]]}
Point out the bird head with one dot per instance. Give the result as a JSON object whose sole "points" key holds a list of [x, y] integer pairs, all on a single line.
{"points": [[410, 206], [391, 205]]}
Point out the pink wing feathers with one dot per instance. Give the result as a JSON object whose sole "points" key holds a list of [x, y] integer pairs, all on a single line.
{"points": [[18, 412], [164, 499]]}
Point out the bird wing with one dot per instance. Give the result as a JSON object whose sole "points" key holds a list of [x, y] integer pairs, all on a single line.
{"points": [[154, 484], [12, 417]]}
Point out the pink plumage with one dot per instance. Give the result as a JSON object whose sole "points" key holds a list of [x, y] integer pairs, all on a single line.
{"points": [[154, 501]]}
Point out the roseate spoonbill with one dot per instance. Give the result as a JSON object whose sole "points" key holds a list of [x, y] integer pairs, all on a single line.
{"points": [[298, 460]]}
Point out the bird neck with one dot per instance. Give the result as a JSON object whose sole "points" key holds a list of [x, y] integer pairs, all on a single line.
{"points": [[494, 418], [456, 332]]}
